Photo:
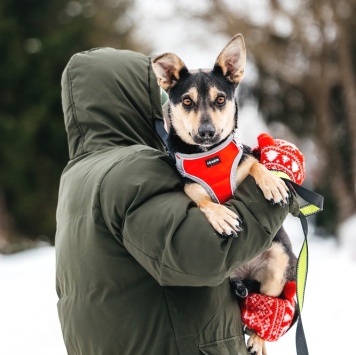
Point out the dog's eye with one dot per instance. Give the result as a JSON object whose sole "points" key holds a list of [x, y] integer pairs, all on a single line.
{"points": [[187, 102], [220, 100]]}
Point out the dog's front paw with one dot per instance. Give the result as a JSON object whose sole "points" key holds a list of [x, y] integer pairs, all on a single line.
{"points": [[256, 345], [224, 221], [274, 188]]}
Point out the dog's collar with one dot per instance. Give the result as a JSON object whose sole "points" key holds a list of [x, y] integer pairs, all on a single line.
{"points": [[233, 137], [162, 133]]}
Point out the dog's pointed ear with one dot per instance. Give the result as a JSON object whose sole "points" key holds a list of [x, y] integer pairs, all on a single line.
{"points": [[167, 68], [232, 59]]}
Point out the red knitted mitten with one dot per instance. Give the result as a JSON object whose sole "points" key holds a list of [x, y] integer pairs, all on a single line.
{"points": [[280, 155], [269, 317]]}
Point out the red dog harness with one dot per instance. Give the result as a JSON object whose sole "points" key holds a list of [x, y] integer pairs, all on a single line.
{"points": [[215, 170]]}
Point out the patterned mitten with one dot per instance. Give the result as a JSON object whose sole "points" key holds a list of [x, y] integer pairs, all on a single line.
{"points": [[281, 156], [269, 317]]}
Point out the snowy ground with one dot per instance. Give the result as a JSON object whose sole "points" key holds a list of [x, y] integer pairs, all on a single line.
{"points": [[28, 315]]}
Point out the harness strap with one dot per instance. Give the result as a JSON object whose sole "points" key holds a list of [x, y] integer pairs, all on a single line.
{"points": [[214, 169], [163, 135], [161, 130]]}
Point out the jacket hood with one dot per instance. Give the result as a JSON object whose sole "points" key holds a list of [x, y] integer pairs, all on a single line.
{"points": [[110, 98]]}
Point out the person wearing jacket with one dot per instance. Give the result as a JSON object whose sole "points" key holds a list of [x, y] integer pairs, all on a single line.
{"points": [[139, 269]]}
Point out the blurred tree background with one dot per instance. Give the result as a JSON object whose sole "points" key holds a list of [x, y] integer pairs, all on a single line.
{"points": [[37, 38], [303, 51]]}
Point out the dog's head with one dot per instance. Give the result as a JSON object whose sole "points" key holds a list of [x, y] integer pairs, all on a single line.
{"points": [[202, 102]]}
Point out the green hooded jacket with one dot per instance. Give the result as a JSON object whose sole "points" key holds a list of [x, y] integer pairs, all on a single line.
{"points": [[139, 268]]}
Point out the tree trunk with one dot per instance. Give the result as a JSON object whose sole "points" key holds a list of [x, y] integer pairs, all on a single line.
{"points": [[4, 224], [347, 76], [345, 201]]}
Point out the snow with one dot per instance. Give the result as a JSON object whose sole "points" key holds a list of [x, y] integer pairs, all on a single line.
{"points": [[28, 315], [347, 238]]}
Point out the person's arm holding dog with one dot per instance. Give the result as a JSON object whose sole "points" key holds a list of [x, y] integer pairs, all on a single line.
{"points": [[170, 237]]}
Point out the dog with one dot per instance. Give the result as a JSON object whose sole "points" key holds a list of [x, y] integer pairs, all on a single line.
{"points": [[201, 119]]}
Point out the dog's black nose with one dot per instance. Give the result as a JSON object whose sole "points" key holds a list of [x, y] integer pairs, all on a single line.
{"points": [[206, 131]]}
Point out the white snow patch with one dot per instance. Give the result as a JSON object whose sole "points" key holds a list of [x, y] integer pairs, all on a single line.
{"points": [[347, 236], [28, 312]]}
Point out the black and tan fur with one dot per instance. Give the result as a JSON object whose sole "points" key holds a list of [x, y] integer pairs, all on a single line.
{"points": [[202, 112]]}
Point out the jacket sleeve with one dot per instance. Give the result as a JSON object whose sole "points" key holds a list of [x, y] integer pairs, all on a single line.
{"points": [[146, 210]]}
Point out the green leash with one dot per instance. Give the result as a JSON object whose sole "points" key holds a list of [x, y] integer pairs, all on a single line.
{"points": [[315, 205]]}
